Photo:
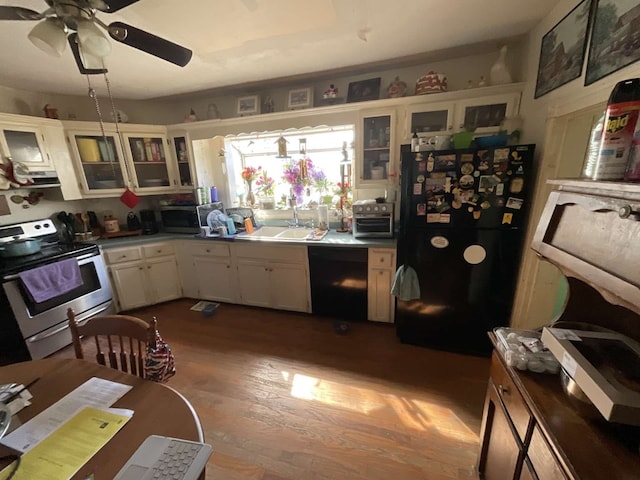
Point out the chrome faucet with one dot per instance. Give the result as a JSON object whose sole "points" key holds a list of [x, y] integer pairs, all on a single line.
{"points": [[295, 222]]}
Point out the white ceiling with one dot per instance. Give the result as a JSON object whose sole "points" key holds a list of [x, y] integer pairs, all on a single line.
{"points": [[237, 42]]}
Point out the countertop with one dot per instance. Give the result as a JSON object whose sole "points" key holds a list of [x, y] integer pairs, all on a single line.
{"points": [[332, 238]]}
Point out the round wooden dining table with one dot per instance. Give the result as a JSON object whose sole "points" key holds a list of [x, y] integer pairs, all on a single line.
{"points": [[158, 409]]}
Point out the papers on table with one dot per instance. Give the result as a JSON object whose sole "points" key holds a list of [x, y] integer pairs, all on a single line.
{"points": [[62, 453], [95, 392], [19, 402]]}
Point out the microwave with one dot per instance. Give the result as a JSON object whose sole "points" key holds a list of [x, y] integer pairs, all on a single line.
{"points": [[186, 218]]}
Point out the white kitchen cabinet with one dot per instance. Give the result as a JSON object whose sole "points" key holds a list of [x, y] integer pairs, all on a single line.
{"points": [[143, 275], [274, 276], [149, 159], [99, 161], [485, 113], [427, 119], [213, 272], [375, 153], [139, 157], [24, 144], [184, 174], [381, 272]]}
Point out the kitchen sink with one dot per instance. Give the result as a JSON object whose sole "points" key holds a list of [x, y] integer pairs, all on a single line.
{"points": [[279, 233]]}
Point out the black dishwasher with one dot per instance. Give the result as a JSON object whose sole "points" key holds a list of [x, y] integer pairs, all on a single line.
{"points": [[339, 282]]}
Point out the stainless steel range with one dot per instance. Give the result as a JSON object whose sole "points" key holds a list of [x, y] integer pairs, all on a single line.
{"points": [[30, 329]]}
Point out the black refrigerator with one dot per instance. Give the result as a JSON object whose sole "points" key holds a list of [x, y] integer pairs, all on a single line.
{"points": [[462, 217]]}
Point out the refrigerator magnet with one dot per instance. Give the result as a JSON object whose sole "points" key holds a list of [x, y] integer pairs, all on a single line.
{"points": [[422, 209], [466, 168], [514, 203], [516, 185], [445, 218], [466, 157], [474, 254], [500, 189], [433, 218], [420, 179], [506, 218], [445, 162], [417, 189], [466, 181], [439, 241], [430, 163], [422, 166], [515, 156], [418, 157]]}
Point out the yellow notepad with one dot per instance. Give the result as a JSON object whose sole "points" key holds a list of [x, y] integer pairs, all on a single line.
{"points": [[68, 448]]}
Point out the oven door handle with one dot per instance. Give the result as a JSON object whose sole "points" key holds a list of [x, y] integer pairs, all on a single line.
{"points": [[42, 336], [81, 257]]}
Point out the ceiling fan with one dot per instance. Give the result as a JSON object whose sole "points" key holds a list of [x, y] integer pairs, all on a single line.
{"points": [[75, 22]]}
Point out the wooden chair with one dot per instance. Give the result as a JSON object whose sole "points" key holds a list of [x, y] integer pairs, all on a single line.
{"points": [[132, 336]]}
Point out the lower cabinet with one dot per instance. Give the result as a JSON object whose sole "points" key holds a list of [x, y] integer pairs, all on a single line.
{"points": [[143, 275], [209, 271], [274, 276], [380, 302], [513, 444]]}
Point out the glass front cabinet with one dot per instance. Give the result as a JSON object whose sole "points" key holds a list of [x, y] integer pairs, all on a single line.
{"points": [[100, 161], [427, 120], [24, 144], [185, 178], [375, 147], [149, 157], [484, 115]]}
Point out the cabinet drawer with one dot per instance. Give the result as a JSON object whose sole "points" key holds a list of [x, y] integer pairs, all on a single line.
{"points": [[513, 401], [542, 459], [158, 250], [381, 258], [209, 249], [120, 255]]}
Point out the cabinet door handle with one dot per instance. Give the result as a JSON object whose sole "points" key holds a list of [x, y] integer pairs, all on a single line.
{"points": [[149, 267], [208, 251], [140, 268], [158, 251], [503, 390]]}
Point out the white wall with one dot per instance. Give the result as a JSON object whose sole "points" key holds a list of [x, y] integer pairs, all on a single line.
{"points": [[554, 122]]}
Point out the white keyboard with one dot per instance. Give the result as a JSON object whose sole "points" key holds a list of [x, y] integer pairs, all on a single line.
{"points": [[166, 458]]}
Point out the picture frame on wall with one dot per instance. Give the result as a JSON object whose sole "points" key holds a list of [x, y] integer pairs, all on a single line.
{"points": [[300, 98], [364, 90], [248, 105], [562, 50], [615, 38]]}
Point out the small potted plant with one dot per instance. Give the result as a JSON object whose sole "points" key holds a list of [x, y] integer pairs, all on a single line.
{"points": [[266, 190]]}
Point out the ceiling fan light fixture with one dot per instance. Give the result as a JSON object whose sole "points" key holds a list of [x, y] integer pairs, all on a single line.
{"points": [[50, 36], [92, 40]]}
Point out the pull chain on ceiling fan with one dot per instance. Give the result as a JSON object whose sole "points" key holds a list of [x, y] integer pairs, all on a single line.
{"points": [[75, 22]]}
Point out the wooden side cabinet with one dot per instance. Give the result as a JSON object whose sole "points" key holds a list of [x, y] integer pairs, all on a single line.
{"points": [[514, 446]]}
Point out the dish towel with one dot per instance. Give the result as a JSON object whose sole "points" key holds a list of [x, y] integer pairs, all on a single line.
{"points": [[405, 284], [49, 281]]}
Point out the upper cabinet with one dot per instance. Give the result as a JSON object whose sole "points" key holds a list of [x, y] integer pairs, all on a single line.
{"points": [[99, 161], [24, 144], [428, 119], [486, 113], [185, 173], [149, 158], [375, 147], [139, 157]]}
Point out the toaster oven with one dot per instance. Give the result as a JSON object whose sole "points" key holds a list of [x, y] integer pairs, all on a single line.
{"points": [[373, 220]]}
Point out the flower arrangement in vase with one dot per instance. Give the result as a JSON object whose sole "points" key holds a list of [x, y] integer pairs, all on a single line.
{"points": [[266, 190], [249, 174]]}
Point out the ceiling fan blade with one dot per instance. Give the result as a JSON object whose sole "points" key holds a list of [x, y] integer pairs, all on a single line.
{"points": [[147, 42], [111, 6], [18, 13]]}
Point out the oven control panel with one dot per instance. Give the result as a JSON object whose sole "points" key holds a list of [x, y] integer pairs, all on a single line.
{"points": [[35, 228], [373, 208]]}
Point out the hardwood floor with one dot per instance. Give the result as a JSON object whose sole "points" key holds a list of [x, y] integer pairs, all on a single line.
{"points": [[283, 397]]}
